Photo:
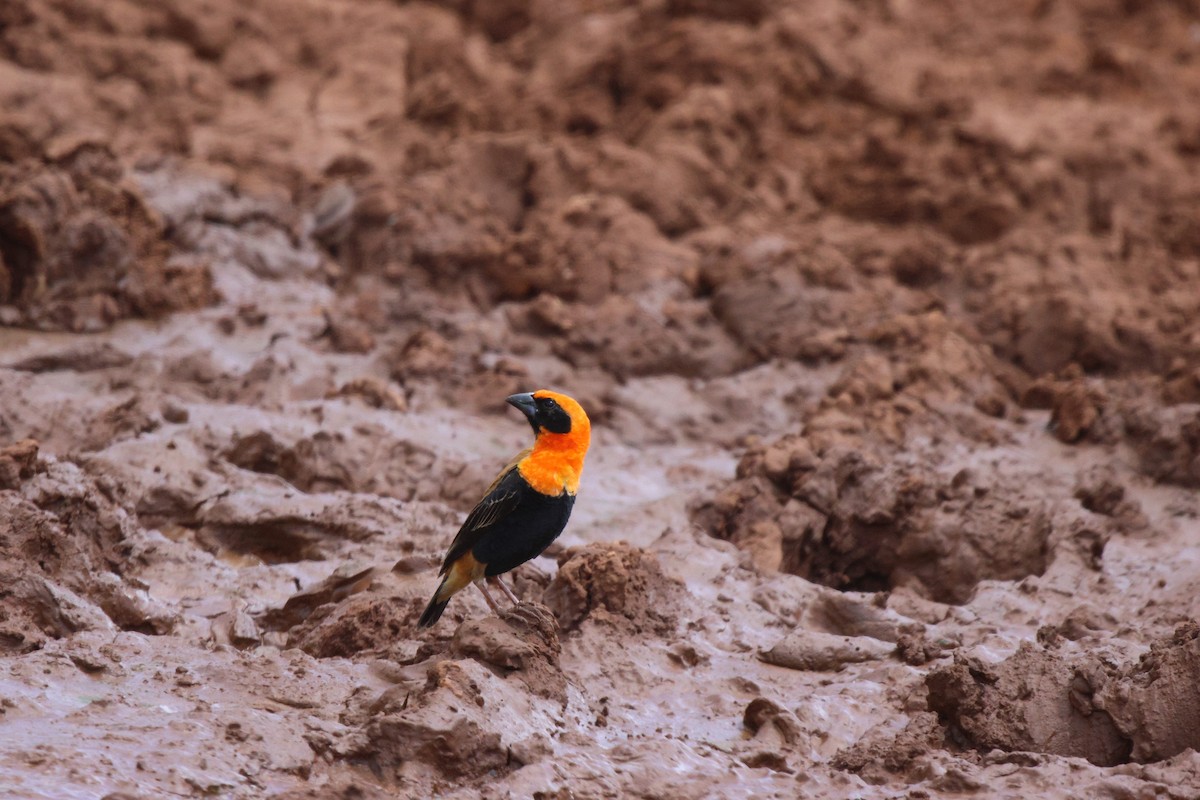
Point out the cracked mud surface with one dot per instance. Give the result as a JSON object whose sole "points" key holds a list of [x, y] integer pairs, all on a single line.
{"points": [[887, 317]]}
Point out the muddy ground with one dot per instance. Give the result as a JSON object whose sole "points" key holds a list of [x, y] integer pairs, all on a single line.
{"points": [[887, 315]]}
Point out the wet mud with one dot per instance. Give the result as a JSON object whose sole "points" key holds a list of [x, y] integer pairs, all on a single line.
{"points": [[886, 316]]}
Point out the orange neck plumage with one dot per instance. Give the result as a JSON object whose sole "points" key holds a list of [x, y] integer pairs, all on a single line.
{"points": [[556, 461]]}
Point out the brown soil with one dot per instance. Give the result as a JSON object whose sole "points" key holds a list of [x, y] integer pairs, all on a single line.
{"points": [[887, 316]]}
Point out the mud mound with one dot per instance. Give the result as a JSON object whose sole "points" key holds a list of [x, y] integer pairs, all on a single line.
{"points": [[18, 462], [856, 516], [1167, 441], [83, 358], [278, 526], [1082, 706], [1035, 700], [857, 500], [522, 641], [488, 712], [80, 248], [821, 652], [461, 362], [644, 334], [1155, 702], [613, 584], [65, 547], [879, 757], [436, 732], [589, 248], [365, 459], [799, 303], [368, 622]]}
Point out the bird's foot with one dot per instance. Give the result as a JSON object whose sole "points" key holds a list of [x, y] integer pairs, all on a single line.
{"points": [[533, 615]]}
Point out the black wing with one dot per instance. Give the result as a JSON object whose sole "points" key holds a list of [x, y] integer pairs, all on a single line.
{"points": [[502, 498]]}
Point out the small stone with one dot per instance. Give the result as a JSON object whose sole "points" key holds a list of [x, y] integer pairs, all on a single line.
{"points": [[374, 392], [18, 462], [243, 633], [175, 413]]}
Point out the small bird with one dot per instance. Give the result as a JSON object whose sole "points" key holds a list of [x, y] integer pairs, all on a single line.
{"points": [[525, 508]]}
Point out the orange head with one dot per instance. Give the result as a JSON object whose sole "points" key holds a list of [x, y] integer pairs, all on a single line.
{"points": [[555, 417], [563, 435]]}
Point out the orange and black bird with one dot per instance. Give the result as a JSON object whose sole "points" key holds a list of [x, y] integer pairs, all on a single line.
{"points": [[525, 508]]}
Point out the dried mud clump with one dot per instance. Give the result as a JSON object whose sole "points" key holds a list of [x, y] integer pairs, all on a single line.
{"points": [[616, 584], [523, 641], [782, 313], [63, 548], [366, 622], [1039, 319], [588, 248], [878, 757], [1156, 702], [460, 360], [86, 357], [80, 248], [859, 517], [1036, 700], [1101, 491], [1083, 706], [1167, 441], [317, 601], [630, 336], [1081, 408], [367, 458], [486, 710], [774, 729], [372, 392], [862, 497], [1076, 412], [363, 459], [825, 652], [445, 727], [18, 462]]}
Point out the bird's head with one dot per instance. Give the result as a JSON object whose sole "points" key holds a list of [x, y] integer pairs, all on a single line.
{"points": [[553, 413]]}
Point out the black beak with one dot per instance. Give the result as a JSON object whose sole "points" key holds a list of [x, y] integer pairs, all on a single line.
{"points": [[524, 402]]}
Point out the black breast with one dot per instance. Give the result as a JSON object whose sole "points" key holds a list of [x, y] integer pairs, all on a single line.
{"points": [[535, 522]]}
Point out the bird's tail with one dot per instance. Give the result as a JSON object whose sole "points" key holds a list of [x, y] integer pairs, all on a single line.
{"points": [[460, 574], [439, 601], [433, 611]]}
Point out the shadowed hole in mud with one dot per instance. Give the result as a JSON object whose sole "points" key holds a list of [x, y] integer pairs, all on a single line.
{"points": [[17, 257], [855, 572], [945, 551], [273, 543], [12, 643]]}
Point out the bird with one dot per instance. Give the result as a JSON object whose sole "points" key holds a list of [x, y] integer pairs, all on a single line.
{"points": [[526, 507]]}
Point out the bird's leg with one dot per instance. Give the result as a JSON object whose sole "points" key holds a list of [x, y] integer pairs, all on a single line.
{"points": [[486, 596], [495, 581]]}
